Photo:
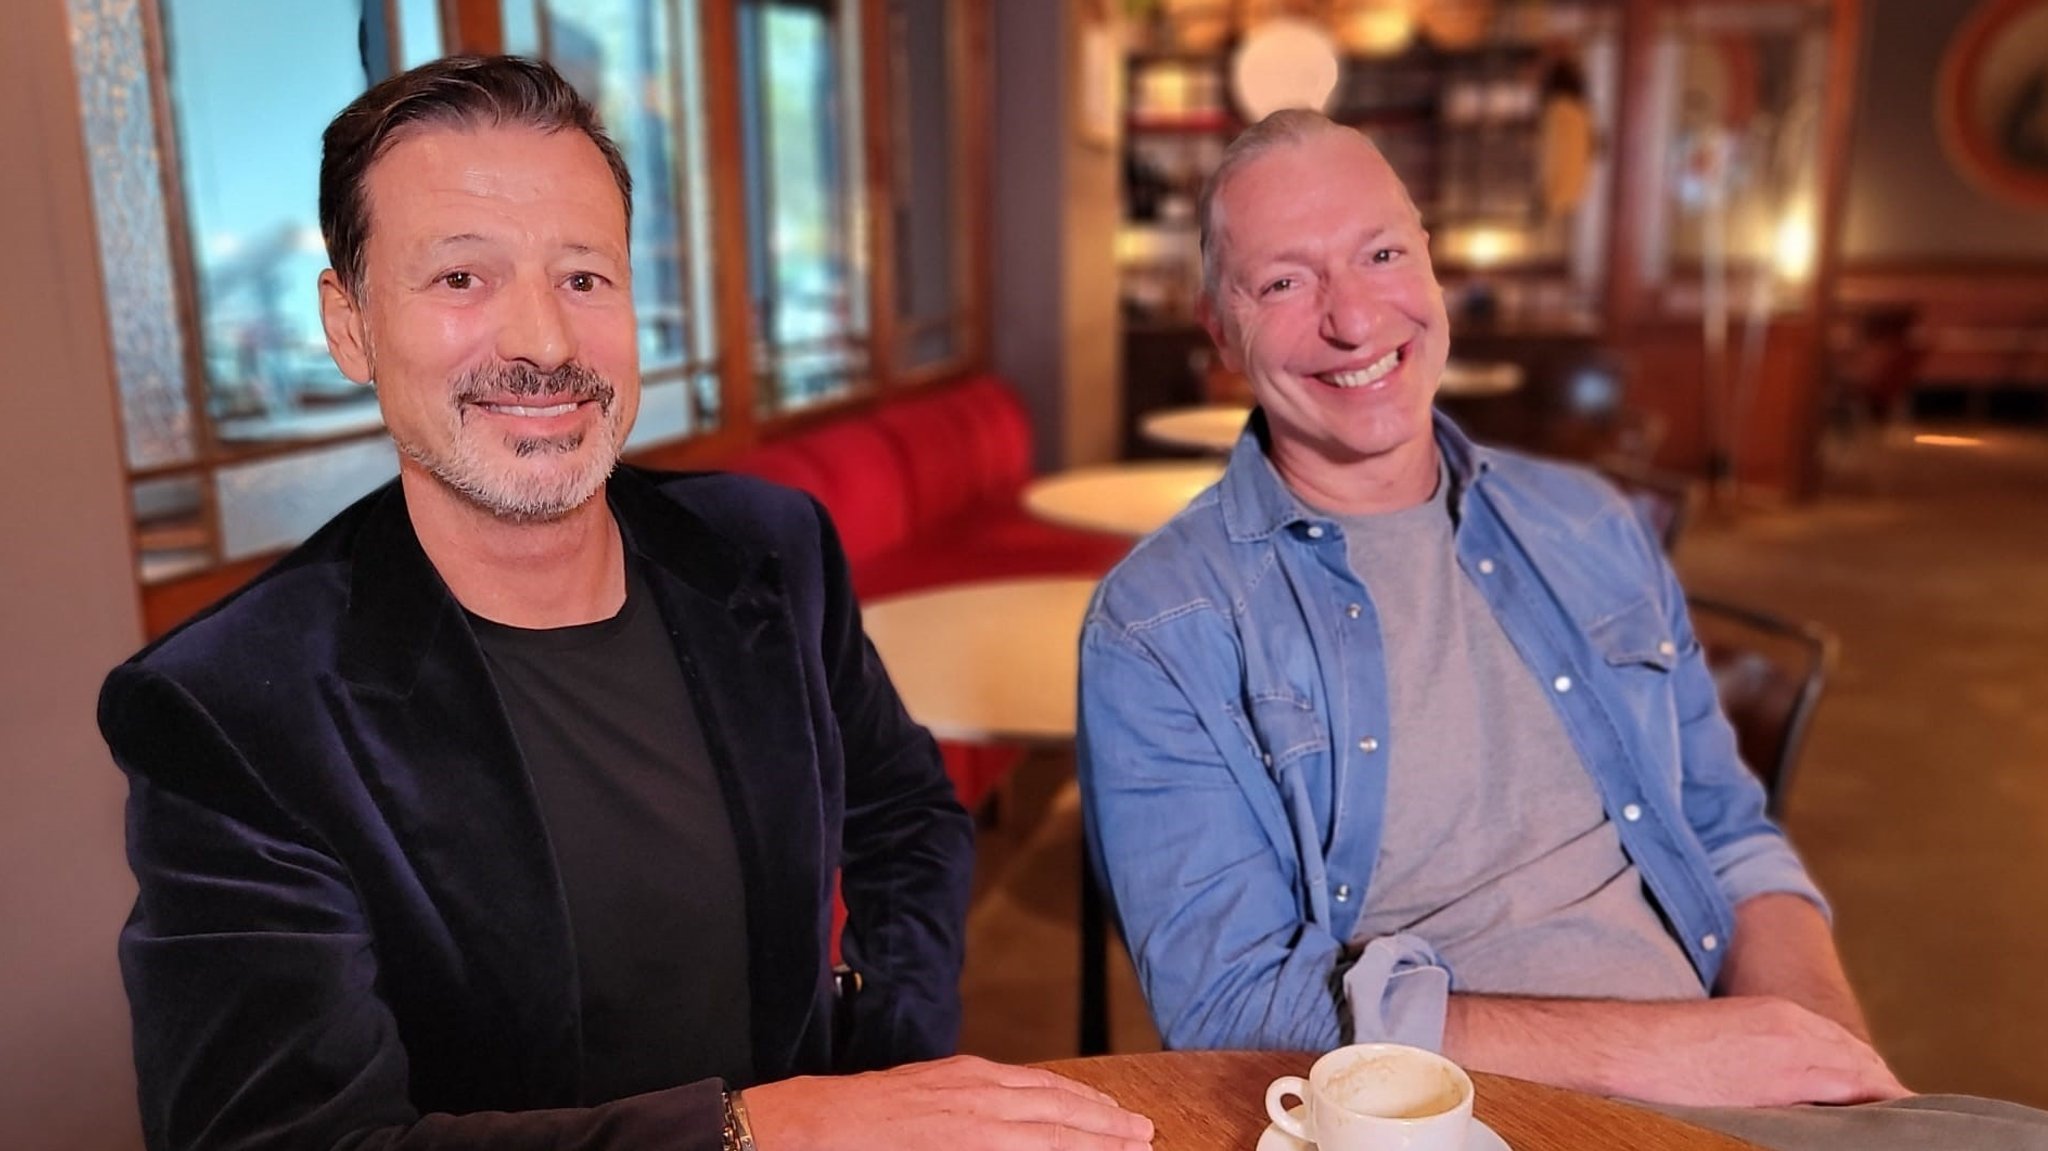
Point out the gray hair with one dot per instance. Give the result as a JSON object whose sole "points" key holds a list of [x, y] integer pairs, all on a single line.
{"points": [[1287, 127]]}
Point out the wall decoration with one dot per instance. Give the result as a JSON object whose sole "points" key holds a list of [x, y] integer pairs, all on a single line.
{"points": [[1991, 100]]}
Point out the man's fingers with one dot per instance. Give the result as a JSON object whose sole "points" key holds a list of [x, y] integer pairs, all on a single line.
{"points": [[1033, 1077], [1053, 1137], [1050, 1105]]}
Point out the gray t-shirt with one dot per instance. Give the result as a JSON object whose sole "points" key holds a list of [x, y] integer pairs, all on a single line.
{"points": [[1496, 849]]}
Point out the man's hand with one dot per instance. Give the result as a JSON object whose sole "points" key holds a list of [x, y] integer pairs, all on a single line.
{"points": [[1746, 1051], [942, 1106]]}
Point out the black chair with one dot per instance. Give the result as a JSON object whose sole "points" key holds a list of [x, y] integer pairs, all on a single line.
{"points": [[1769, 673], [1664, 501]]}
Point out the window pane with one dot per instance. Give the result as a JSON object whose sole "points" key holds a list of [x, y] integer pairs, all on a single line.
{"points": [[926, 227], [170, 527], [135, 252], [637, 61], [252, 87], [801, 117], [272, 504], [419, 32], [1741, 88]]}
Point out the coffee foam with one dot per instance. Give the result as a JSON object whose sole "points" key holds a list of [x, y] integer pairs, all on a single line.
{"points": [[1394, 1087]]}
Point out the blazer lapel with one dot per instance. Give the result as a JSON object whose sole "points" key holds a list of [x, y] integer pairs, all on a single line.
{"points": [[439, 756]]}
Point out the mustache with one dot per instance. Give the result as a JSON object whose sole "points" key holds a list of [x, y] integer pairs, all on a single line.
{"points": [[571, 380]]}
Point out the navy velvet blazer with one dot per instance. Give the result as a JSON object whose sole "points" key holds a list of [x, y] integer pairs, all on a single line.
{"points": [[350, 930]]}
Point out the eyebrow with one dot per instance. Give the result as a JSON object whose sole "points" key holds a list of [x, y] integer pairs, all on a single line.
{"points": [[1297, 255], [461, 238]]}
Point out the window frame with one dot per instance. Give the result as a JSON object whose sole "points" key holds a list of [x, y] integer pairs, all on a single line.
{"points": [[477, 26]]}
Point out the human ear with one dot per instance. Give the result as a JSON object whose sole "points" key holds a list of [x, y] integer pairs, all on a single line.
{"points": [[348, 335]]}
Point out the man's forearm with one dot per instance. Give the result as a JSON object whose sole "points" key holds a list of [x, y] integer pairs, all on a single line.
{"points": [[1582, 1044], [1749, 1051], [1783, 947]]}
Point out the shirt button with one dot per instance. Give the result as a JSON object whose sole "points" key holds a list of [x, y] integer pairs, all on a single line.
{"points": [[1709, 942], [1315, 531], [1352, 610], [1667, 648], [1267, 759], [1343, 893], [1631, 813], [1562, 683], [1485, 567], [1368, 745]]}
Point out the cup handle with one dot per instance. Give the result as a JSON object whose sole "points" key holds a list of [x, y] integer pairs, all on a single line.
{"points": [[1276, 1108]]}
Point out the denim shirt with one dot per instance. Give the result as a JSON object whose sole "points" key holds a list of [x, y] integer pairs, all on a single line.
{"points": [[1234, 738]]}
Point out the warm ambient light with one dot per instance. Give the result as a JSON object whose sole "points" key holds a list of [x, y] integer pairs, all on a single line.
{"points": [[1792, 248], [1485, 247], [1948, 441], [1284, 63], [1377, 27]]}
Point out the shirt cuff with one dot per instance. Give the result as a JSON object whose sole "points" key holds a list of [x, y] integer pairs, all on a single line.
{"points": [[1397, 992], [1764, 865]]}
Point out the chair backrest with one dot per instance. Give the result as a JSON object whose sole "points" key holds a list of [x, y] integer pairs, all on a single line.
{"points": [[1769, 673], [1664, 501]]}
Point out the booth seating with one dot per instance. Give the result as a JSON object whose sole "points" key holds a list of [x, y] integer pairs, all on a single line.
{"points": [[925, 492]]}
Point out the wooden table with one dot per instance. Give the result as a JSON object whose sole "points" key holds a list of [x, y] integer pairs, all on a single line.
{"points": [[998, 662], [1216, 1101], [992, 662], [1210, 428], [1122, 499]]}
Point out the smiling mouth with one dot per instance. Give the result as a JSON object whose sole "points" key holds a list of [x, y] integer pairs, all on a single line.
{"points": [[1368, 375], [532, 411]]}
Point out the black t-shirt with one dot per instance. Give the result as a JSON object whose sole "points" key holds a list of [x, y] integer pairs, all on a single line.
{"points": [[644, 843]]}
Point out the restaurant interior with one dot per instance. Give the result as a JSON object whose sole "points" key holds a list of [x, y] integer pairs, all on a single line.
{"points": [[1777, 268]]}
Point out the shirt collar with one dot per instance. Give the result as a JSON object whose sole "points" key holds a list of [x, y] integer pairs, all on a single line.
{"points": [[1256, 502]]}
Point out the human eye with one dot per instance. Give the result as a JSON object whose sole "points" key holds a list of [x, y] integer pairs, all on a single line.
{"points": [[459, 280], [585, 282], [1277, 285], [1386, 255]]}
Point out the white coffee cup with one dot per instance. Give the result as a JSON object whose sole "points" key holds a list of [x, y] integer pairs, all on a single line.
{"points": [[1377, 1097]]}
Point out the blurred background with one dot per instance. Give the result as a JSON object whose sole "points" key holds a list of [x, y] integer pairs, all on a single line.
{"points": [[1778, 267]]}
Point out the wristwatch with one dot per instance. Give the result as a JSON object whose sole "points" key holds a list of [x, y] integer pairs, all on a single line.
{"points": [[739, 1133]]}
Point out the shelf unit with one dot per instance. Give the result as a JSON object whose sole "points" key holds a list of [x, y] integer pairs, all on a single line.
{"points": [[1464, 127]]}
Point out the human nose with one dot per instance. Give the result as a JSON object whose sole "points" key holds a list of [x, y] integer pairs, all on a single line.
{"points": [[537, 328], [1351, 309]]}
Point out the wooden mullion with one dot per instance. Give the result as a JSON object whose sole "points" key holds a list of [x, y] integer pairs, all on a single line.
{"points": [[975, 133], [729, 209], [184, 274], [473, 26], [877, 88]]}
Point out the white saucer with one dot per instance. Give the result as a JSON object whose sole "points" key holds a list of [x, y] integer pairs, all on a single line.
{"points": [[1478, 1137]]}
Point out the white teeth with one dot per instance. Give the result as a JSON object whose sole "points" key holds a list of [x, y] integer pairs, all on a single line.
{"points": [[550, 410], [1371, 373]]}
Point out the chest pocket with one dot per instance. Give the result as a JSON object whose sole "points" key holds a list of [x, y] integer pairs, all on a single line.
{"points": [[1640, 652], [1282, 727], [1635, 636]]}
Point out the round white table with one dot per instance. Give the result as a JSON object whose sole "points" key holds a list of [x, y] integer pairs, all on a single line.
{"points": [[1122, 499], [1210, 428], [986, 662]]}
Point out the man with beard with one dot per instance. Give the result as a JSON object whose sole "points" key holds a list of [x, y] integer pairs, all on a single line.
{"points": [[506, 811]]}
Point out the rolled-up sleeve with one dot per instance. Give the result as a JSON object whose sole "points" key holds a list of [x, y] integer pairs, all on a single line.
{"points": [[1723, 799], [1397, 991]]}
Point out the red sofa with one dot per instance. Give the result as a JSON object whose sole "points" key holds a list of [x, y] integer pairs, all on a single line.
{"points": [[925, 492]]}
